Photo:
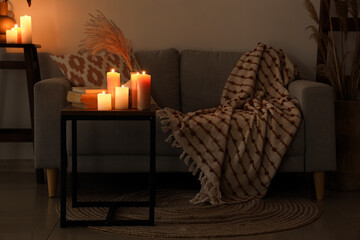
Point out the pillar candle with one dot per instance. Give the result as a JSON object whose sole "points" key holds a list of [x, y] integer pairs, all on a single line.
{"points": [[26, 29], [113, 81], [143, 91], [16, 28], [11, 36], [121, 97], [134, 79], [104, 101]]}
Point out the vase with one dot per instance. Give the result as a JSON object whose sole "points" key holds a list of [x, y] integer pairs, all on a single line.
{"points": [[6, 22], [347, 119]]}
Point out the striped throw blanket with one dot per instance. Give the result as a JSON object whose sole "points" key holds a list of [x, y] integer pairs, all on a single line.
{"points": [[237, 147]]}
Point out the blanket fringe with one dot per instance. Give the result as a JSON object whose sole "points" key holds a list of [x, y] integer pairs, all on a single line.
{"points": [[190, 163]]}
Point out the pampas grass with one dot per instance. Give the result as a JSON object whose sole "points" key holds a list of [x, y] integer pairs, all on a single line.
{"points": [[102, 35], [335, 54]]}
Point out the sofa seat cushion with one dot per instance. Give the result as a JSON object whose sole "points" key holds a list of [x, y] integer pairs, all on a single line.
{"points": [[118, 138], [163, 66]]}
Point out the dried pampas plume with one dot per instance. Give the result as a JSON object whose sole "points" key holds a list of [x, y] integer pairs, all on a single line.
{"points": [[102, 35], [334, 53]]}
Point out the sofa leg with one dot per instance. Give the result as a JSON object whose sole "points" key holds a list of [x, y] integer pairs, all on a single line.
{"points": [[319, 185], [52, 181]]}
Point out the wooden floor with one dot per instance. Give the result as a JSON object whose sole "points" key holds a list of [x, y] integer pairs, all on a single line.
{"points": [[27, 213]]}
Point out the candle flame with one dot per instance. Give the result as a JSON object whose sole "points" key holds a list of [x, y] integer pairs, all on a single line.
{"points": [[122, 86], [143, 72], [137, 73], [112, 70], [16, 26], [103, 92]]}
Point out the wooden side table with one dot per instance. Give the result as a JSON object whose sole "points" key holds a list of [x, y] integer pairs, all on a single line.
{"points": [[32, 68], [75, 114]]}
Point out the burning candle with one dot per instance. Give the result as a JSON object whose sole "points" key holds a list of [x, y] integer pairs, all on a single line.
{"points": [[11, 36], [121, 97], [113, 81], [26, 29], [16, 28], [134, 80], [104, 101], [143, 91]]}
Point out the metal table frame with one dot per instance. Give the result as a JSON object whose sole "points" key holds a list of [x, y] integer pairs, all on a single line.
{"points": [[32, 68], [73, 115]]}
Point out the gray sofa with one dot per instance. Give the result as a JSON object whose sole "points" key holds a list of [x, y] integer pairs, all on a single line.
{"points": [[186, 81]]}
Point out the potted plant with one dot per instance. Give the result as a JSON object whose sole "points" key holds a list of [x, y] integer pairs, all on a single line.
{"points": [[28, 1], [341, 70]]}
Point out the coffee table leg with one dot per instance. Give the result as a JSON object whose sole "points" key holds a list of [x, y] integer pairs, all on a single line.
{"points": [[74, 163], [63, 174], [152, 169]]}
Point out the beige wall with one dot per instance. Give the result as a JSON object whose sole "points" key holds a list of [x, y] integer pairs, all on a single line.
{"points": [[155, 24]]}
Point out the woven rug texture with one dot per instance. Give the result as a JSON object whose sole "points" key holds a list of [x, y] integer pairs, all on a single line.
{"points": [[176, 217]]}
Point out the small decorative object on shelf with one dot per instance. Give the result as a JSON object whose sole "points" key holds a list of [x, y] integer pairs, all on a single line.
{"points": [[143, 91], [6, 20], [104, 101], [121, 97]]}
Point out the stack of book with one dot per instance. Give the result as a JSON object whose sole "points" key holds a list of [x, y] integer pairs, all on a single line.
{"points": [[82, 97]]}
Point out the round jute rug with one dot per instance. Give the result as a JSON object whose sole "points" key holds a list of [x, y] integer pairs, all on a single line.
{"points": [[175, 217]]}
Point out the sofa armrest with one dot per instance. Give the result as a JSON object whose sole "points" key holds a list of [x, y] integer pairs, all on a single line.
{"points": [[317, 102], [49, 99]]}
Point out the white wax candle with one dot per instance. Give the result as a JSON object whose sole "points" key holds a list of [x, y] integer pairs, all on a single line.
{"points": [[134, 80], [104, 101], [121, 97], [143, 92], [113, 81], [16, 28], [11, 36], [26, 29]]}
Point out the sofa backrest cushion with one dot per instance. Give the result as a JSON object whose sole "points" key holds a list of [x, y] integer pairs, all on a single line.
{"points": [[202, 77], [163, 66]]}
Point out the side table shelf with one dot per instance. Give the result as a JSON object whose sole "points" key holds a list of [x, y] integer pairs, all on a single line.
{"points": [[32, 68]]}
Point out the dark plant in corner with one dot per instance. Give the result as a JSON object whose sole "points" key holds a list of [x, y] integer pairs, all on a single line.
{"points": [[335, 52]]}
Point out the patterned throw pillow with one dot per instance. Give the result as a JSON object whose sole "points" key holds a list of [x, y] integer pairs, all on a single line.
{"points": [[84, 70]]}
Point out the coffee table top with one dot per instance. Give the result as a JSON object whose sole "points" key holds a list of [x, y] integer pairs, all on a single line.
{"points": [[71, 111]]}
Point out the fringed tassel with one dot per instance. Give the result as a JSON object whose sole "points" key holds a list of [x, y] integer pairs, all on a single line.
{"points": [[170, 138], [192, 167], [166, 127]]}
